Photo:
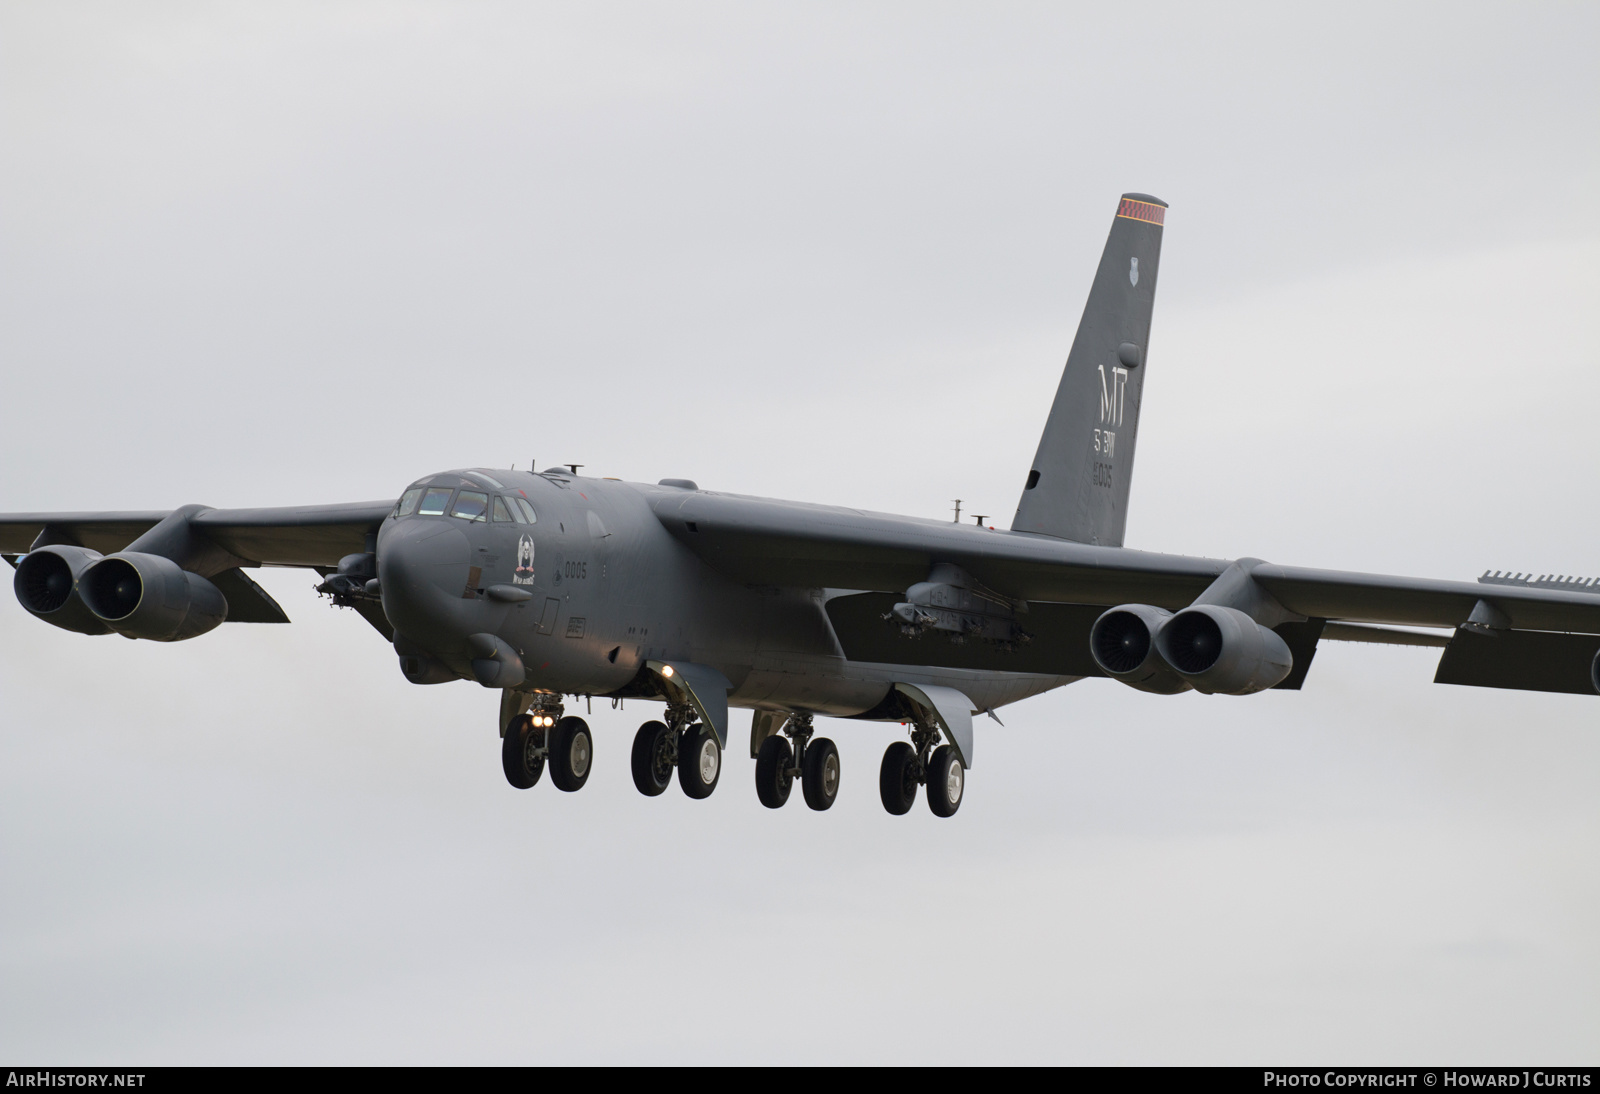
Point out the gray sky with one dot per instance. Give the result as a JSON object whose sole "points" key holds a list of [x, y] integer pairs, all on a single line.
{"points": [[275, 254]]}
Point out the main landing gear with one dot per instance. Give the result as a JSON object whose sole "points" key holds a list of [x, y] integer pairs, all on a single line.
{"points": [[907, 766], [818, 769], [544, 737], [679, 742]]}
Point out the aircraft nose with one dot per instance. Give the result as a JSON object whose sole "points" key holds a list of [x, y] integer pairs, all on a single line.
{"points": [[422, 570]]}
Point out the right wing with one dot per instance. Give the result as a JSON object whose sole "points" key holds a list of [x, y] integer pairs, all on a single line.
{"points": [[297, 535], [217, 544]]}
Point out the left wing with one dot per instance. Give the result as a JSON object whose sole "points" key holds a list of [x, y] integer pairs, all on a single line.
{"points": [[1539, 638], [761, 541]]}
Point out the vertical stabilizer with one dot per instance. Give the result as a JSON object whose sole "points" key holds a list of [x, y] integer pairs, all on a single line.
{"points": [[1078, 487]]}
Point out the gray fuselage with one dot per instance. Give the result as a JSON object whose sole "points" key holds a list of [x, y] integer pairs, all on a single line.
{"points": [[611, 587]]}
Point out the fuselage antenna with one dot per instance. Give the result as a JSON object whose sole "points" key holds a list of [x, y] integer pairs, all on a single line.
{"points": [[958, 512]]}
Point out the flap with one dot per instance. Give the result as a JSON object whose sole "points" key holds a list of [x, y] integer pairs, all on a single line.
{"points": [[247, 601], [1522, 660]]}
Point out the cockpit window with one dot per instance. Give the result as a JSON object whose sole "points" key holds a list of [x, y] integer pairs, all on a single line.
{"points": [[502, 512], [526, 509], [408, 502], [471, 505], [434, 501]]}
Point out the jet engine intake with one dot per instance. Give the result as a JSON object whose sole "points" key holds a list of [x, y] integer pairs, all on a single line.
{"points": [[46, 583], [1222, 651], [147, 596], [1123, 645]]}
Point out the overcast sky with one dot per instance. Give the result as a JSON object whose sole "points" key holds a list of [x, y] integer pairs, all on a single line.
{"points": [[257, 254]]}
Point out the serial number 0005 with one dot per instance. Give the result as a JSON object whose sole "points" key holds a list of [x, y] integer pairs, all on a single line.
{"points": [[578, 570], [1102, 474]]}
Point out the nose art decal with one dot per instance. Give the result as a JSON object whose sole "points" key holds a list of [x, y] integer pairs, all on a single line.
{"points": [[524, 572]]}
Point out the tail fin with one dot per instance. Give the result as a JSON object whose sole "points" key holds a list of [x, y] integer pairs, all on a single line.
{"points": [[1078, 487]]}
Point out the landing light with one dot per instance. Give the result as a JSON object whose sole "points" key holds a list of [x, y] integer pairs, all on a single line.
{"points": [[666, 670]]}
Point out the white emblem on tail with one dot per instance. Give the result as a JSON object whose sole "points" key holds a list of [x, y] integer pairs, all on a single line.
{"points": [[1133, 271], [1113, 395], [524, 571]]}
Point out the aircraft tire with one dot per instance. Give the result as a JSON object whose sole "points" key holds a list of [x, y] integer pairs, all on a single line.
{"points": [[897, 778], [819, 776], [773, 781], [521, 770], [651, 773], [699, 761], [947, 781], [571, 754]]}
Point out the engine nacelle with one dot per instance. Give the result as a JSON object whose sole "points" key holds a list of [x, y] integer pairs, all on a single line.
{"points": [[1122, 642], [148, 596], [1223, 651], [46, 584]]}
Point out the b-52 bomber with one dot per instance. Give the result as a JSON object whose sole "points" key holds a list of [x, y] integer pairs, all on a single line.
{"points": [[552, 585]]}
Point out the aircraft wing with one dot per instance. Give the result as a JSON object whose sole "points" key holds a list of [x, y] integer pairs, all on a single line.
{"points": [[1520, 635], [103, 532], [1420, 602], [760, 541], [297, 535]]}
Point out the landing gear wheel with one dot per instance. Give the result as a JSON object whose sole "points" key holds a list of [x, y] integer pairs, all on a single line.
{"points": [[819, 776], [571, 754], [699, 761], [946, 781], [521, 739], [773, 781], [652, 760], [897, 778]]}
